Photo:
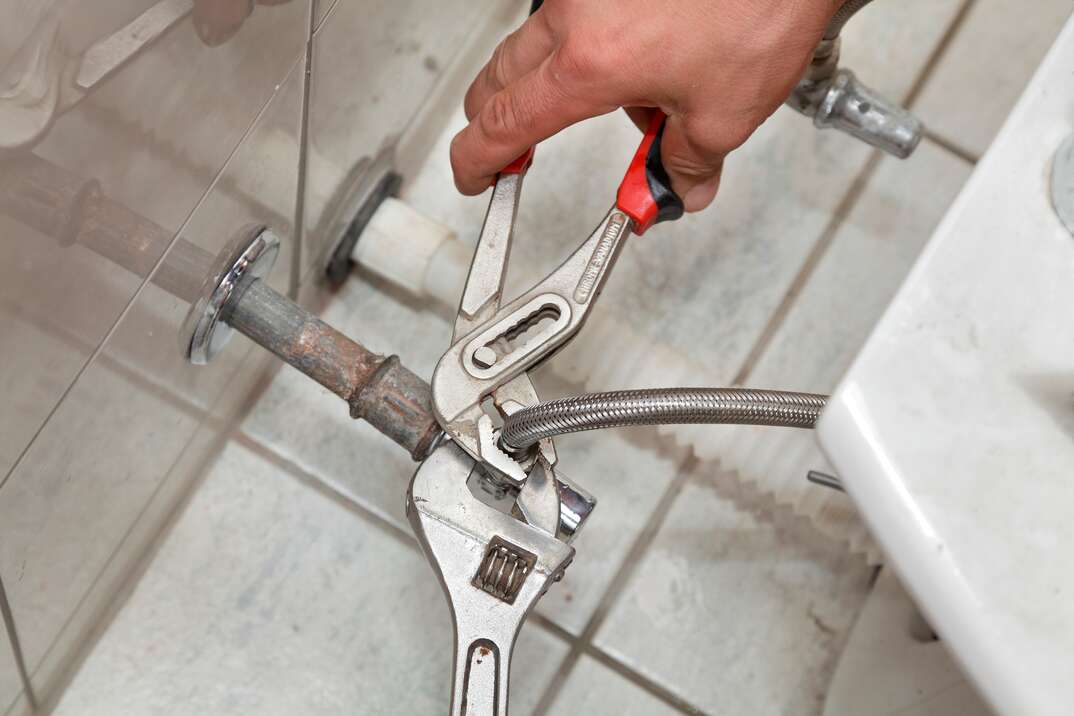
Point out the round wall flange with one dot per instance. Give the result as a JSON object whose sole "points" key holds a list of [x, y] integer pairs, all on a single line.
{"points": [[1063, 183], [249, 255]]}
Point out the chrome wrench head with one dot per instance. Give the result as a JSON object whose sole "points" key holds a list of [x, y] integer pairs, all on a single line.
{"points": [[519, 335], [493, 569], [555, 506]]}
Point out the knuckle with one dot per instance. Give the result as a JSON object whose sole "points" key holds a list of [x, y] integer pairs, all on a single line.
{"points": [[578, 62], [500, 116], [719, 136], [496, 70], [690, 165]]}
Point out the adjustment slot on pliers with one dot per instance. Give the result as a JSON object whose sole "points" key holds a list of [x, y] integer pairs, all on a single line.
{"points": [[516, 336]]}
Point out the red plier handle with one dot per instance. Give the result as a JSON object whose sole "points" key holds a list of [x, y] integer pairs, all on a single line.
{"points": [[645, 194]]}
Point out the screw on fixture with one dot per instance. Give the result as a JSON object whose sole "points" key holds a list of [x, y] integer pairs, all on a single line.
{"points": [[485, 357]]}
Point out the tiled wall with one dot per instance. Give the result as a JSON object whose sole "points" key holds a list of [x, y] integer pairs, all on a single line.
{"points": [[198, 132], [292, 583]]}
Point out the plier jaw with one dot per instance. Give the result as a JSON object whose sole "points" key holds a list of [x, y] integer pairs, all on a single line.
{"points": [[495, 346]]}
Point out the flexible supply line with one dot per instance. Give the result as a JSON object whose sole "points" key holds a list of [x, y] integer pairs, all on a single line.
{"points": [[660, 406], [846, 11]]}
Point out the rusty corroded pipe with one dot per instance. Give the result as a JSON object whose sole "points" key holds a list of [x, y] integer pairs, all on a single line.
{"points": [[378, 389], [73, 210]]}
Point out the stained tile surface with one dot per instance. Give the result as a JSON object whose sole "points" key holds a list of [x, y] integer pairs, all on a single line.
{"points": [[10, 683], [357, 113], [596, 690], [70, 504], [132, 139], [986, 68], [627, 471], [298, 607], [737, 608], [272, 595], [830, 320]]}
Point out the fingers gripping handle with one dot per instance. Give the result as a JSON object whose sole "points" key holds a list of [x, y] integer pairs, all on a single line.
{"points": [[645, 194], [519, 165]]}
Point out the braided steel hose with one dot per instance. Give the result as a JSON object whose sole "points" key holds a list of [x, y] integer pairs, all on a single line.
{"points": [[846, 11], [660, 406]]}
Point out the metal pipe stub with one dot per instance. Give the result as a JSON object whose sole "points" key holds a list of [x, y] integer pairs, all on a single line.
{"points": [[248, 256], [378, 389], [225, 293]]}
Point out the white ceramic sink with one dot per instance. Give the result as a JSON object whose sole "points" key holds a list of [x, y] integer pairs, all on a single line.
{"points": [[954, 429]]}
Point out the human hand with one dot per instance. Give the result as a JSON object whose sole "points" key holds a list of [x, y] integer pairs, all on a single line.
{"points": [[217, 21], [717, 68]]}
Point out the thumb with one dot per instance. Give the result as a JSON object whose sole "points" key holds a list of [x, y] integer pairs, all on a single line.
{"points": [[693, 170]]}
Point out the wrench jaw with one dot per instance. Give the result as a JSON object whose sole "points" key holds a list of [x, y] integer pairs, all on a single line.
{"points": [[493, 569]]}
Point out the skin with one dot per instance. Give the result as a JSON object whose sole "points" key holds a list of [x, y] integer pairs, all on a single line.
{"points": [[217, 21], [717, 68]]}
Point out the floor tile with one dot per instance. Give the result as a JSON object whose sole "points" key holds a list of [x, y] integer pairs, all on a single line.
{"points": [[985, 69], [270, 597], [876, 42], [735, 608], [628, 472], [312, 428], [595, 690], [828, 323], [893, 665], [706, 285], [69, 503], [10, 683]]}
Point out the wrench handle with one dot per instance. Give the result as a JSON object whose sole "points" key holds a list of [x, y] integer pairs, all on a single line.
{"points": [[482, 672]]}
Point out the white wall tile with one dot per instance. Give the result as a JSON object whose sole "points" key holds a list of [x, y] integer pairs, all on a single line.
{"points": [[72, 509], [10, 683], [986, 67]]}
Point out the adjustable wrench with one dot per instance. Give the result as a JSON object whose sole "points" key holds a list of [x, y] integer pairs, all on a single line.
{"points": [[492, 567]]}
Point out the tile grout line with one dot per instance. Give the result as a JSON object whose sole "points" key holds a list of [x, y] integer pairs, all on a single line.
{"points": [[809, 265], [846, 205], [648, 685], [299, 221], [16, 649], [616, 587], [938, 53], [129, 306], [225, 427], [951, 147], [321, 486], [619, 667], [348, 503], [324, 15]]}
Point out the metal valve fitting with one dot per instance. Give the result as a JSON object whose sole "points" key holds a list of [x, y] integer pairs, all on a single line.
{"points": [[835, 97], [851, 107]]}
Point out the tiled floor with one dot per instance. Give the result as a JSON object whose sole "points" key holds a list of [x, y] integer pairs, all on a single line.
{"points": [[291, 583]]}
